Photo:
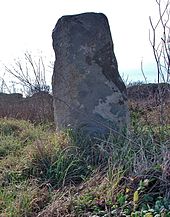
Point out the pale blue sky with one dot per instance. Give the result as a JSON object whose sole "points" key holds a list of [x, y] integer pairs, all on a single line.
{"points": [[27, 25]]}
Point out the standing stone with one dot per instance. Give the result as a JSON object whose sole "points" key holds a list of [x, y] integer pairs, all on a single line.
{"points": [[88, 91]]}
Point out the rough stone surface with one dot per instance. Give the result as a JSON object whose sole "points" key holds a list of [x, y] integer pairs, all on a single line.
{"points": [[88, 91]]}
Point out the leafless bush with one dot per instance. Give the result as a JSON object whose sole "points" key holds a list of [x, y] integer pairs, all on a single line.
{"points": [[30, 74], [160, 41], [159, 38], [3, 86]]}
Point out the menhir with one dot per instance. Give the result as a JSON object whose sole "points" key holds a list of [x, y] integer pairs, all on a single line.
{"points": [[89, 94]]}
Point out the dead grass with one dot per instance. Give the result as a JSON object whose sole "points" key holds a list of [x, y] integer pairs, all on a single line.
{"points": [[63, 175]]}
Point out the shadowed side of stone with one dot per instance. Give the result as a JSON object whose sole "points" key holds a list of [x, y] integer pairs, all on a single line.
{"points": [[88, 91]]}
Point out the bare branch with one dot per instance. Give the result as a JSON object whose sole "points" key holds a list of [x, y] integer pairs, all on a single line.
{"points": [[30, 74]]}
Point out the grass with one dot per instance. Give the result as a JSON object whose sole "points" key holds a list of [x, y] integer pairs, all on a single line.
{"points": [[44, 173]]}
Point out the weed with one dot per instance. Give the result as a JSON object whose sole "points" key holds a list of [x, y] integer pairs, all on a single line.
{"points": [[58, 167], [37, 165]]}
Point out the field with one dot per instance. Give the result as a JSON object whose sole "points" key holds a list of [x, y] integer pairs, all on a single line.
{"points": [[44, 173]]}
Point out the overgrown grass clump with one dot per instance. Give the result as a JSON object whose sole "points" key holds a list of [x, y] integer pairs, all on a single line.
{"points": [[35, 159], [44, 173]]}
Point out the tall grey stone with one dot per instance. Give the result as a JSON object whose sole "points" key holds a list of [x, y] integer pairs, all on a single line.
{"points": [[88, 91]]}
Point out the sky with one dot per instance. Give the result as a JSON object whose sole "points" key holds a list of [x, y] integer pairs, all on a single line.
{"points": [[26, 25]]}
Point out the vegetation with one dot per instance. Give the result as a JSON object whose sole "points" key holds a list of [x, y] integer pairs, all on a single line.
{"points": [[28, 74], [47, 174], [44, 173]]}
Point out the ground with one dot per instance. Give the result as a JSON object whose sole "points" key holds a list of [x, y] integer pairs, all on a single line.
{"points": [[49, 174]]}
